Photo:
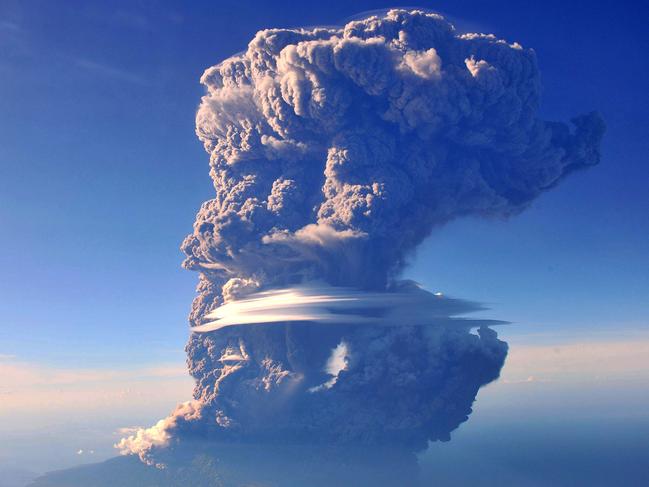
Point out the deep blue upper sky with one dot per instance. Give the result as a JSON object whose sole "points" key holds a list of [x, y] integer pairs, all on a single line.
{"points": [[101, 173]]}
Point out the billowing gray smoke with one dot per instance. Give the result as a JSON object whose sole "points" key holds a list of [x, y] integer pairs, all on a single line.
{"points": [[334, 153]]}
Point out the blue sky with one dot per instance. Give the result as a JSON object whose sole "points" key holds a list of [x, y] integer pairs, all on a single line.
{"points": [[101, 175]]}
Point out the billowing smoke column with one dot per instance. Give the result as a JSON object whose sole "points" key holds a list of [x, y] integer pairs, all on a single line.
{"points": [[334, 153]]}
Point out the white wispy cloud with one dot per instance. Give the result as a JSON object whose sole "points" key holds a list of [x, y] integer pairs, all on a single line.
{"points": [[7, 26], [109, 71]]}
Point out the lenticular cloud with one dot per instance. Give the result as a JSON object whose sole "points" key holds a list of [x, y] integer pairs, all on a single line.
{"points": [[338, 305], [334, 152]]}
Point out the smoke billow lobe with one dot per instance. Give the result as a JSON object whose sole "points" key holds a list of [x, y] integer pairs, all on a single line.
{"points": [[334, 152], [333, 147]]}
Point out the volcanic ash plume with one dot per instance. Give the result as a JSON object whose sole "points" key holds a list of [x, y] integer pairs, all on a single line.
{"points": [[334, 153]]}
